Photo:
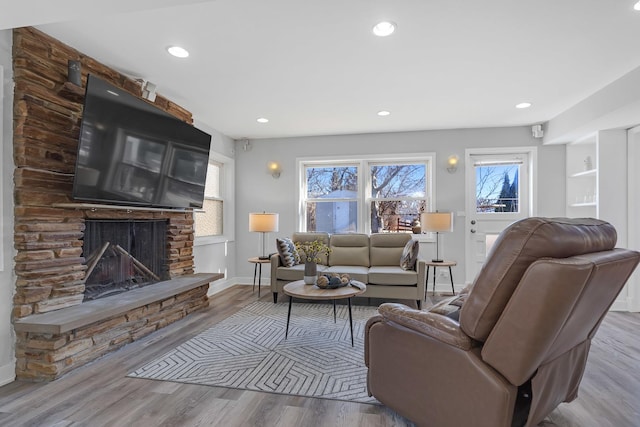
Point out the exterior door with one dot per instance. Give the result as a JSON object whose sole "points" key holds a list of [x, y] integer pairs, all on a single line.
{"points": [[499, 191]]}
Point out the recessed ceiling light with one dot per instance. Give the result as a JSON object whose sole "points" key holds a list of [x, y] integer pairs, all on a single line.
{"points": [[383, 113], [636, 6], [262, 120], [384, 28], [523, 105], [178, 52]]}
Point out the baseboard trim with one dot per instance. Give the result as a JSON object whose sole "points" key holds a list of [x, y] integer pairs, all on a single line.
{"points": [[620, 305], [221, 285], [7, 373]]}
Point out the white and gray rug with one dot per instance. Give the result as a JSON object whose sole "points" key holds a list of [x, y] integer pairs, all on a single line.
{"points": [[248, 350]]}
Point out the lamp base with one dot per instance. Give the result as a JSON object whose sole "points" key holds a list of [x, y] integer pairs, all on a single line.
{"points": [[437, 260]]}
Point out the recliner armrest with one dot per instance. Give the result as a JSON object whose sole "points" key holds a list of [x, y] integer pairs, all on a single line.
{"points": [[434, 325]]}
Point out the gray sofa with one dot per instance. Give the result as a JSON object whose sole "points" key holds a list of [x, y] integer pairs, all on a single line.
{"points": [[374, 260]]}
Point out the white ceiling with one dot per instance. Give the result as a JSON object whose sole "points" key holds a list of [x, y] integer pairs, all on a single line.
{"points": [[314, 67]]}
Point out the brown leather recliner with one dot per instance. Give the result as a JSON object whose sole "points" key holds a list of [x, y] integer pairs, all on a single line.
{"points": [[510, 349]]}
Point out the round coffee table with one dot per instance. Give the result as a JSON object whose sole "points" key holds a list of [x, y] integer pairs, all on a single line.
{"points": [[301, 290]]}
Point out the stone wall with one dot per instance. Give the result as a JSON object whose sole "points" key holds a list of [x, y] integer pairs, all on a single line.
{"points": [[49, 263], [47, 112]]}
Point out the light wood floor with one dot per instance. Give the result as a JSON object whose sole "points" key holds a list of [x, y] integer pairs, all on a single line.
{"points": [[100, 394]]}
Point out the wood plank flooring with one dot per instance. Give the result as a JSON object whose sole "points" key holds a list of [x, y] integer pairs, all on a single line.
{"points": [[100, 394]]}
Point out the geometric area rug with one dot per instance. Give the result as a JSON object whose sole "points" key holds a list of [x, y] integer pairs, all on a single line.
{"points": [[248, 351]]}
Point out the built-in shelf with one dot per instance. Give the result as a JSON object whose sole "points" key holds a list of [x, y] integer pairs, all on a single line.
{"points": [[95, 206], [581, 205], [582, 177], [590, 172]]}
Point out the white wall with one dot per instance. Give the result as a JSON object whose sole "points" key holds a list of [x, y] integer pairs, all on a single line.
{"points": [[615, 106], [7, 278], [256, 190], [218, 254]]}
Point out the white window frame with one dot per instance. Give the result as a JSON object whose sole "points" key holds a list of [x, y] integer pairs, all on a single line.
{"points": [[227, 169], [364, 182]]}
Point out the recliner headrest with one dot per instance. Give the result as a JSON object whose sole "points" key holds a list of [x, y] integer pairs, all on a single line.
{"points": [[517, 247]]}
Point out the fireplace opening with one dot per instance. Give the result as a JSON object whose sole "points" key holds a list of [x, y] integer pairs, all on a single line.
{"points": [[123, 255]]}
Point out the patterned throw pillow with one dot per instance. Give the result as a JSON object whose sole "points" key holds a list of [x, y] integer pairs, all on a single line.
{"points": [[288, 253], [410, 255]]}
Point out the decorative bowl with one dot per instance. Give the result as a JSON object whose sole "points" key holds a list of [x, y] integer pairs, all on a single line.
{"points": [[332, 280]]}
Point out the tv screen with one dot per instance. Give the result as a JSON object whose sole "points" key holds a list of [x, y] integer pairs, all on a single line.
{"points": [[132, 153]]}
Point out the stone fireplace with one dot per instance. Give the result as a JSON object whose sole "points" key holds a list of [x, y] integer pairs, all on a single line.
{"points": [[57, 328]]}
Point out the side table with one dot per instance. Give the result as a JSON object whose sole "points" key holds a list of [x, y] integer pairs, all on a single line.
{"points": [[258, 266], [434, 265]]}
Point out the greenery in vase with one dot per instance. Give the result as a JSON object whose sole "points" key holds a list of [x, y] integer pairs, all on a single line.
{"points": [[312, 251]]}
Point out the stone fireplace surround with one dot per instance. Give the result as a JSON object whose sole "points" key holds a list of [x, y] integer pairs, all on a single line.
{"points": [[55, 331]]}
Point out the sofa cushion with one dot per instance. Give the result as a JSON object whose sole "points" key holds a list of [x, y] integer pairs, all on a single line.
{"points": [[288, 253], [386, 248], [349, 249], [516, 248], [409, 255], [391, 275], [356, 272], [296, 272]]}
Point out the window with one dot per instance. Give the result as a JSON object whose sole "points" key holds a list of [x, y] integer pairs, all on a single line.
{"points": [[209, 221], [331, 202], [397, 194], [498, 186], [372, 195]]}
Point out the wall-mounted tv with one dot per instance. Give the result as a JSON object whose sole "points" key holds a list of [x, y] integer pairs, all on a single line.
{"points": [[132, 153]]}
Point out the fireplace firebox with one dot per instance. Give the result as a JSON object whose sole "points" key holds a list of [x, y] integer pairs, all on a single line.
{"points": [[123, 255]]}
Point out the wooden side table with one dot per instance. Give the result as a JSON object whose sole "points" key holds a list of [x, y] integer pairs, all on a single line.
{"points": [[258, 266], [435, 265]]}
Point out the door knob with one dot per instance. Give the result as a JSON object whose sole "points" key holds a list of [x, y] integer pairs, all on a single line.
{"points": [[473, 230], [473, 222]]}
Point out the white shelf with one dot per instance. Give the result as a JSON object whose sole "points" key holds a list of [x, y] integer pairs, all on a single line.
{"points": [[583, 205], [590, 172]]}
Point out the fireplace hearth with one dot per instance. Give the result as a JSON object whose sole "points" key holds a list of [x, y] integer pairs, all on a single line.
{"points": [[123, 255]]}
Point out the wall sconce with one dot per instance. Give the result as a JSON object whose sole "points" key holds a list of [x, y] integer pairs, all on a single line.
{"points": [[452, 163], [274, 169]]}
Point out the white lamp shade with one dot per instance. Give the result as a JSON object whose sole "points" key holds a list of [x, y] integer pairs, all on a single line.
{"points": [[436, 222], [263, 222]]}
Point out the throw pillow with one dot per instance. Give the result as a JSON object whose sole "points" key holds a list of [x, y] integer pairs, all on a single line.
{"points": [[410, 255], [288, 253]]}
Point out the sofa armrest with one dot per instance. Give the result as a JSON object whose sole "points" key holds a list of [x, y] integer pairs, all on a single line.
{"points": [[421, 269], [434, 325], [275, 263]]}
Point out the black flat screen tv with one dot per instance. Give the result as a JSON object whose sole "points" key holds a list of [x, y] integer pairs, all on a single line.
{"points": [[134, 154]]}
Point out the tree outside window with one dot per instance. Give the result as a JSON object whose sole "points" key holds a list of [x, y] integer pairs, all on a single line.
{"points": [[497, 188], [367, 195], [331, 203], [398, 195]]}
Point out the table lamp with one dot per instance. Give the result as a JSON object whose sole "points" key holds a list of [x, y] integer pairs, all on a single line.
{"points": [[437, 222], [263, 223]]}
